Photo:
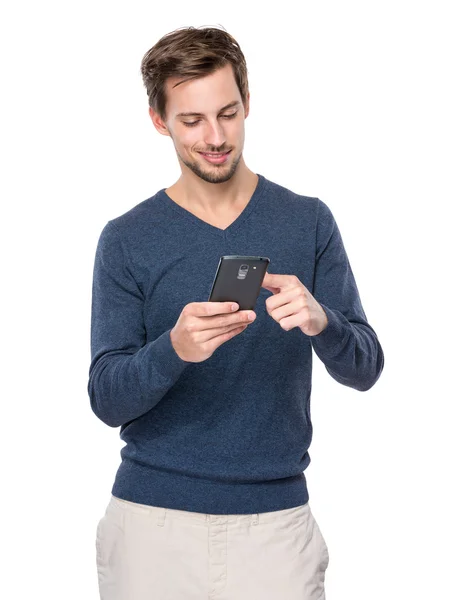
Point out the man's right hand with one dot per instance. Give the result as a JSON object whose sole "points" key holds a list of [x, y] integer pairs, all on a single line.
{"points": [[204, 326]]}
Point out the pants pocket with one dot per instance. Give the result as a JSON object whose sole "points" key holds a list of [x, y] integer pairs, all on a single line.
{"points": [[98, 543], [323, 545], [109, 537]]}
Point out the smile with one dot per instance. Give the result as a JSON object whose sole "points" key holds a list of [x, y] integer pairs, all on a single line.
{"points": [[215, 158]]}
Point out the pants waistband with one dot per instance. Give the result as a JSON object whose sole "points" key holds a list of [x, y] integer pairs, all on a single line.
{"points": [[161, 513]]}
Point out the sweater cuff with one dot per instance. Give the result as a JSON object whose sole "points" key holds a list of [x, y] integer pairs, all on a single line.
{"points": [[168, 363], [332, 338]]}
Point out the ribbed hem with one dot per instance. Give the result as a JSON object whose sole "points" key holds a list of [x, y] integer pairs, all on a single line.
{"points": [[139, 483]]}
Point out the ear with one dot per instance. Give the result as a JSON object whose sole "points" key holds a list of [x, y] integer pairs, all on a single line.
{"points": [[247, 106], [159, 124]]}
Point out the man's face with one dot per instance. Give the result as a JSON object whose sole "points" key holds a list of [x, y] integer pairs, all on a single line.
{"points": [[215, 129]]}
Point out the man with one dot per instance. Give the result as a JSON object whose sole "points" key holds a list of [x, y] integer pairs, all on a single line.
{"points": [[210, 499]]}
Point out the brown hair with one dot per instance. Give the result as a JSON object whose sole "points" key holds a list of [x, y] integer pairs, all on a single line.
{"points": [[190, 53]]}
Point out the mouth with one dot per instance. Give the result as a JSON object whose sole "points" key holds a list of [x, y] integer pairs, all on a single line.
{"points": [[215, 158]]}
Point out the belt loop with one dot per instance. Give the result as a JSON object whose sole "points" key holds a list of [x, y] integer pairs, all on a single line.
{"points": [[254, 519], [161, 515]]}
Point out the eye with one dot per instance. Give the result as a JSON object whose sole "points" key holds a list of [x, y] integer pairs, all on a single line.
{"points": [[193, 123]]}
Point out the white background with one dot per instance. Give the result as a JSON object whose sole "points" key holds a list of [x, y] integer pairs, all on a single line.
{"points": [[352, 102]]}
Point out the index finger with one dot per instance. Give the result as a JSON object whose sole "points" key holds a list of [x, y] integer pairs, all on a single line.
{"points": [[204, 309]]}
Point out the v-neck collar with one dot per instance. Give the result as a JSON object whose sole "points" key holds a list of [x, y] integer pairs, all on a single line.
{"points": [[192, 218]]}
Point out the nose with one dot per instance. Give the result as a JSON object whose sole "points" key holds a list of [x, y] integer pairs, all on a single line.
{"points": [[214, 136]]}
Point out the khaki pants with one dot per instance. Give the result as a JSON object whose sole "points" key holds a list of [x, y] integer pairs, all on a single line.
{"points": [[152, 553]]}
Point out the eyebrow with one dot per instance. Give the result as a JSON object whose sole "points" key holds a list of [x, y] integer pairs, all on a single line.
{"points": [[197, 114]]}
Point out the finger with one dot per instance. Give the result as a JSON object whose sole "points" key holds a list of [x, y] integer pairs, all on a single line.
{"points": [[207, 309]]}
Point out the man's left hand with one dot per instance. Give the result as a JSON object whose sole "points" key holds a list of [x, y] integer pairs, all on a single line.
{"points": [[292, 305]]}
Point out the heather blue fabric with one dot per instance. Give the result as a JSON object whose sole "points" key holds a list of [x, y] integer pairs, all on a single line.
{"points": [[231, 434]]}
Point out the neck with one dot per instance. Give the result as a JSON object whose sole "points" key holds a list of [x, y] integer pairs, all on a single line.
{"points": [[215, 198]]}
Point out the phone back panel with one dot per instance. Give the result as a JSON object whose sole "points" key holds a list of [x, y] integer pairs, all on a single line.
{"points": [[238, 279]]}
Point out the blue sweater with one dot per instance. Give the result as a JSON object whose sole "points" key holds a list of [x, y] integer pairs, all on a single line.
{"points": [[230, 434]]}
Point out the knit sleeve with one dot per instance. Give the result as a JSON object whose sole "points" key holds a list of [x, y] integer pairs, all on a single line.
{"points": [[127, 376], [348, 346]]}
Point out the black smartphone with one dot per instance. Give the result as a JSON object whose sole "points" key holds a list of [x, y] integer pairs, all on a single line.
{"points": [[238, 279]]}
